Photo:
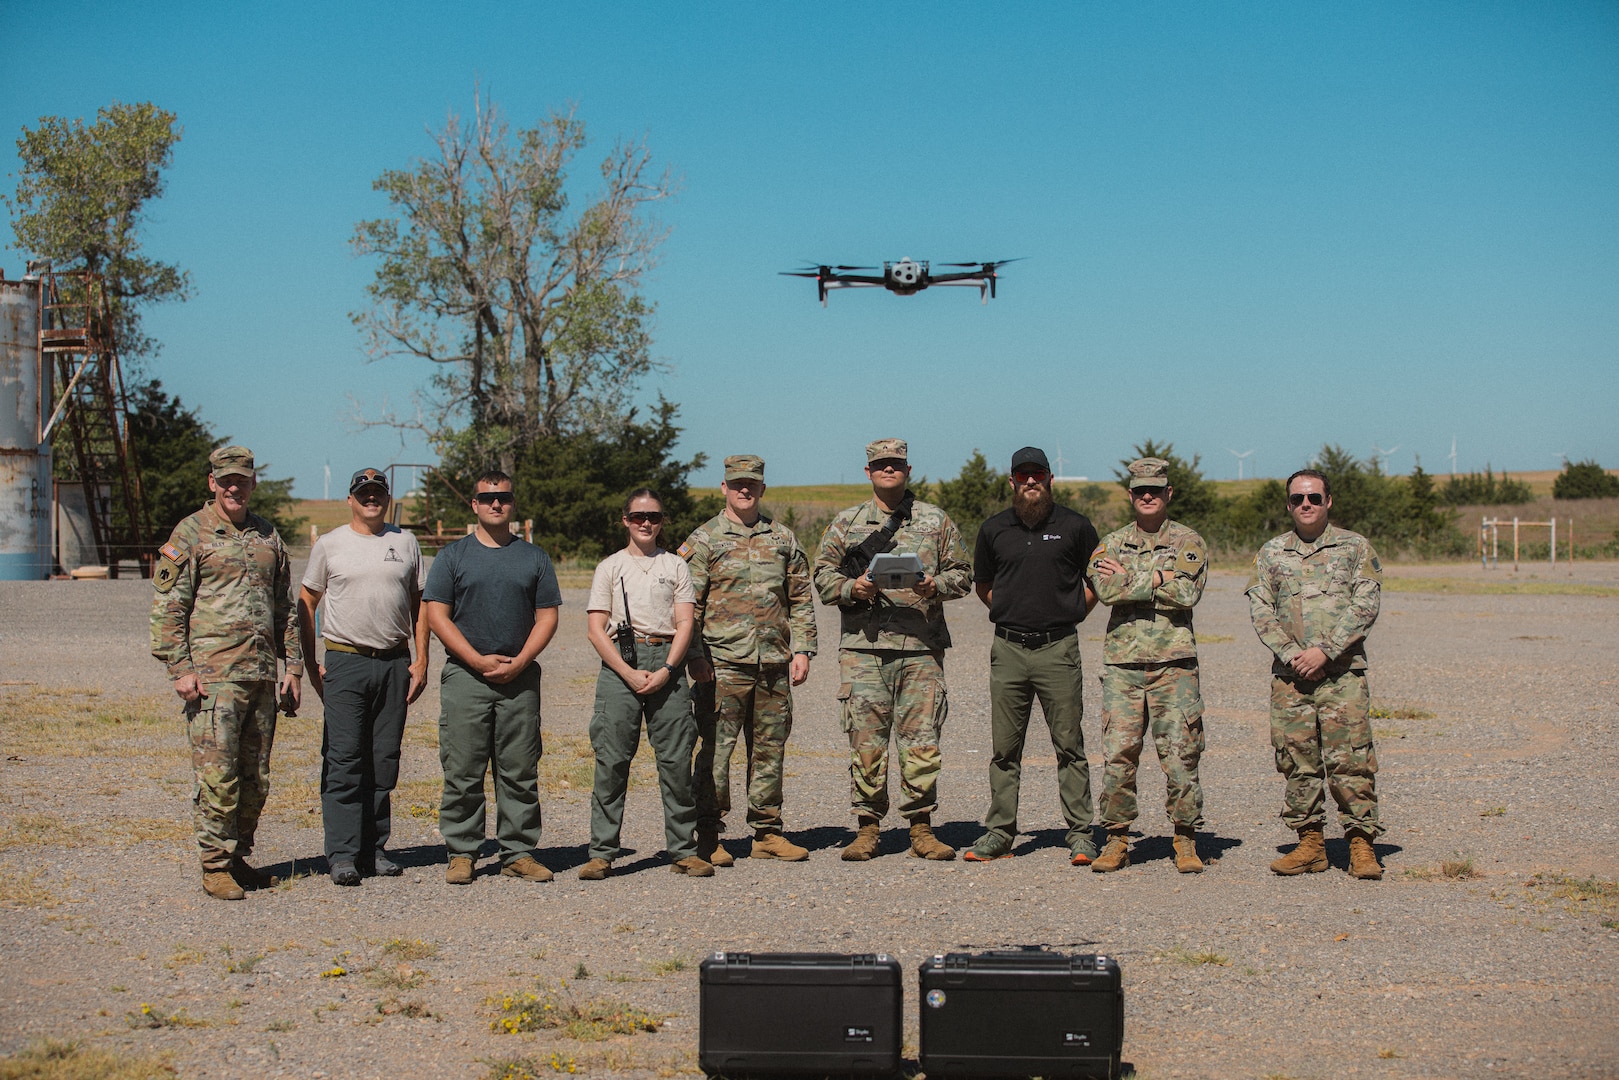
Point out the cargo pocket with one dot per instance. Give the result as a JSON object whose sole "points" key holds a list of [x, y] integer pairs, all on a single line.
{"points": [[845, 714]]}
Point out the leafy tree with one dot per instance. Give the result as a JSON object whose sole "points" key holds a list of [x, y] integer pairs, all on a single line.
{"points": [[977, 492], [573, 485], [1196, 503], [1476, 490], [532, 313], [1585, 480], [163, 430], [81, 196]]}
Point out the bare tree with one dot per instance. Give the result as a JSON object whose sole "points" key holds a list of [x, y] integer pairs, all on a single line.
{"points": [[533, 315]]}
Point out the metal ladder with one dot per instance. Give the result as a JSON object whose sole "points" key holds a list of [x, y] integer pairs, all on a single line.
{"points": [[76, 331]]}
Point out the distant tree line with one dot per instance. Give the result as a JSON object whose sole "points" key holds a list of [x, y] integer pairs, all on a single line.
{"points": [[1585, 480]]}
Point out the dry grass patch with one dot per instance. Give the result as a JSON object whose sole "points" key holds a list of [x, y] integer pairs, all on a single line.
{"points": [[1398, 712], [558, 1009], [85, 722], [1495, 587], [1182, 955], [23, 890], [48, 830], [1586, 896], [529, 1068], [51, 1060]]}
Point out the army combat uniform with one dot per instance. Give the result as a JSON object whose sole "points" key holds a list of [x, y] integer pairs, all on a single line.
{"points": [[1150, 677], [1320, 594], [223, 611], [891, 655], [754, 610]]}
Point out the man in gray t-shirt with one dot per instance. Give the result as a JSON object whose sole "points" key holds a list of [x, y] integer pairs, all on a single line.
{"points": [[492, 600], [369, 575]]}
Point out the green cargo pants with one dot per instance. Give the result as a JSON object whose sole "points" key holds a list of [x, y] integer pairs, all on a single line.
{"points": [[1018, 676], [898, 695], [482, 724], [615, 733], [753, 702], [1163, 699], [231, 732], [1323, 739]]}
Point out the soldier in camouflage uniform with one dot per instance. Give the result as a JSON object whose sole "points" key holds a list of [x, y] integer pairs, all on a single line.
{"points": [[755, 634], [222, 616], [1313, 596], [1151, 573], [891, 654]]}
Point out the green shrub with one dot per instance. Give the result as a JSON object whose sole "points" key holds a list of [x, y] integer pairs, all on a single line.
{"points": [[1585, 480]]}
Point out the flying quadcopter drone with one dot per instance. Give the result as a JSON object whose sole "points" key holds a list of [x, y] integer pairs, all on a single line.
{"points": [[906, 277]]}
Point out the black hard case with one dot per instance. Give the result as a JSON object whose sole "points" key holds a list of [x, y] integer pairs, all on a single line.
{"points": [[1023, 1013], [813, 1013]]}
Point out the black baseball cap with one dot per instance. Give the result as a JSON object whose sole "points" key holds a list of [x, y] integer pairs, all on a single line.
{"points": [[366, 478], [1030, 455]]}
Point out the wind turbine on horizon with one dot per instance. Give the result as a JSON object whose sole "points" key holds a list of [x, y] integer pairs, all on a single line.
{"points": [[1239, 458], [1453, 457], [1380, 454]]}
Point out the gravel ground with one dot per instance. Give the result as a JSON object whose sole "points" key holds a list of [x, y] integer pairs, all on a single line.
{"points": [[1234, 973]]}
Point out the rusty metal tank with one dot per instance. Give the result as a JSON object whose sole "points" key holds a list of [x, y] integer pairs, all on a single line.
{"points": [[25, 462]]}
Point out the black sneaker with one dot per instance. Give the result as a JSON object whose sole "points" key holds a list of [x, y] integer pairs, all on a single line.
{"points": [[344, 872], [383, 866]]}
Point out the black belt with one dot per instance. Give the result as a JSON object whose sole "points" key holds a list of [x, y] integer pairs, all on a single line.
{"points": [[1034, 641], [398, 652]]}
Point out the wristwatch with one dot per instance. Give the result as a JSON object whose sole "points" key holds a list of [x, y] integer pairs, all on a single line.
{"points": [[673, 669]]}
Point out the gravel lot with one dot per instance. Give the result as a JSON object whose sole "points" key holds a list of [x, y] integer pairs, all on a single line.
{"points": [[1234, 973]]}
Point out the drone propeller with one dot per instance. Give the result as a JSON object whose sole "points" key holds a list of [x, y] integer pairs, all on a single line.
{"points": [[800, 273], [990, 264]]}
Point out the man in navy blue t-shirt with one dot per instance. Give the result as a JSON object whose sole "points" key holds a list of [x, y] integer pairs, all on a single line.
{"points": [[492, 599]]}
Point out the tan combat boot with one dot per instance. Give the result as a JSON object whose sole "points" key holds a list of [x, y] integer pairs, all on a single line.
{"points": [[773, 845], [864, 847], [459, 872], [1310, 857], [595, 870], [250, 877], [527, 868], [1363, 857], [1115, 855], [924, 845], [693, 866], [1186, 860], [220, 885], [709, 849]]}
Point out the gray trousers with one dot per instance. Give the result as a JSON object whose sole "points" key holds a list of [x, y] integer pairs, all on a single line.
{"points": [[615, 733], [482, 724], [359, 746]]}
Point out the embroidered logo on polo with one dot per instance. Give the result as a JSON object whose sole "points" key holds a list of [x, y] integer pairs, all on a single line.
{"points": [[1051, 536]]}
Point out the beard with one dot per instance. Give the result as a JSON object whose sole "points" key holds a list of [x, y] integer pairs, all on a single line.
{"points": [[1032, 506]]}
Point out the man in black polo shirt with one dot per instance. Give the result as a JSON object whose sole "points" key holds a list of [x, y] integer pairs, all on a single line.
{"points": [[1029, 571]]}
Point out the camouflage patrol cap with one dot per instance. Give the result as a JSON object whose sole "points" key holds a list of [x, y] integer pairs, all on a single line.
{"points": [[745, 467], [1149, 472], [231, 461], [882, 449]]}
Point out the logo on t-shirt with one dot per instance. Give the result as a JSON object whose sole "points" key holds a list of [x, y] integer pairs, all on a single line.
{"points": [[1051, 536], [392, 556]]}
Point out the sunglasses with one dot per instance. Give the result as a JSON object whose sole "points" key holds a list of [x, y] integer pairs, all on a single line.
{"points": [[1314, 498], [887, 465], [1023, 476], [644, 517], [1147, 493], [495, 498]]}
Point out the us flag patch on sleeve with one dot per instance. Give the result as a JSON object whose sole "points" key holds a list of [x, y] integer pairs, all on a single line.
{"points": [[684, 551], [169, 551]]}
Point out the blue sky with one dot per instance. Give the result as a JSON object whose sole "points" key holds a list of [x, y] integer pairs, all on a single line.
{"points": [[1248, 226]]}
